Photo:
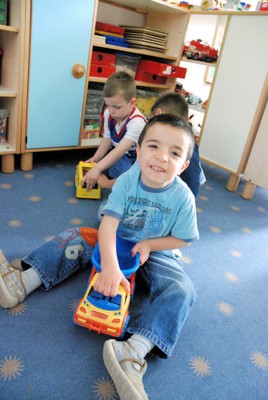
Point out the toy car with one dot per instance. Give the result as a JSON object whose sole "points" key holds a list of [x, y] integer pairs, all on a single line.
{"points": [[81, 191], [106, 314], [200, 50]]}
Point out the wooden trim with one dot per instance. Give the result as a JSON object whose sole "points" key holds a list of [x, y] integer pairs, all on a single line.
{"points": [[255, 126], [25, 79]]}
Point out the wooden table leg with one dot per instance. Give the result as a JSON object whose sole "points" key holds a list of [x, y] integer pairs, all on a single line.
{"points": [[8, 163], [26, 162], [233, 183], [248, 190]]}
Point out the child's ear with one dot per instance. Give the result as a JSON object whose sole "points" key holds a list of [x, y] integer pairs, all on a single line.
{"points": [[158, 111], [133, 101], [185, 166]]}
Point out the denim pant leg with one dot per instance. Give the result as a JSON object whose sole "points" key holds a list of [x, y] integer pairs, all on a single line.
{"points": [[192, 174], [171, 296], [59, 258], [121, 166]]}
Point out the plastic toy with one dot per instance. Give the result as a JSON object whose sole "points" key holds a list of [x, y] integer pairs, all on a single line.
{"points": [[81, 191], [105, 314], [199, 50]]}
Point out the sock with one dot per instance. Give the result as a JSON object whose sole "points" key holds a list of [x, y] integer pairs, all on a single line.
{"points": [[140, 344], [31, 280]]}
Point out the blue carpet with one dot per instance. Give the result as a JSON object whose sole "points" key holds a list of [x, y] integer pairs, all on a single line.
{"points": [[222, 353]]}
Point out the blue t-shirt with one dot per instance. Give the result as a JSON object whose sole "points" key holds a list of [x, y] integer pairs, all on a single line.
{"points": [[147, 213]]}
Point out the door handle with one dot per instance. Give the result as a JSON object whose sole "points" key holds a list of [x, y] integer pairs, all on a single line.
{"points": [[78, 71]]}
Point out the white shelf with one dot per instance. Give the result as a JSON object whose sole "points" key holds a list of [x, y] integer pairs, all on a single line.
{"points": [[134, 50], [147, 5], [205, 64]]}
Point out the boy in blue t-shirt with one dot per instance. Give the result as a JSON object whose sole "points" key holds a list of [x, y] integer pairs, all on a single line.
{"points": [[151, 206]]}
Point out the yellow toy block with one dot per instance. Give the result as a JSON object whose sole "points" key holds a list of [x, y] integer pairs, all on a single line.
{"points": [[81, 191]]}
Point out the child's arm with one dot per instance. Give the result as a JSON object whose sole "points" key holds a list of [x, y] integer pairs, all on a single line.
{"points": [[94, 173], [159, 244], [103, 149], [110, 276]]}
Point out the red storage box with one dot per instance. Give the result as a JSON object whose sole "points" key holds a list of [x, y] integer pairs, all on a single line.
{"points": [[150, 78], [156, 68], [106, 59], [101, 71], [100, 26]]}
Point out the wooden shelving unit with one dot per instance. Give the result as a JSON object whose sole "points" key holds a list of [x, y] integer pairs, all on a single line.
{"points": [[11, 41]]}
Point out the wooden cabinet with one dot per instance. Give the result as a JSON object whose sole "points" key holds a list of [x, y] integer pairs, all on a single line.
{"points": [[228, 127], [209, 27], [58, 47], [12, 42], [62, 35], [150, 13]]}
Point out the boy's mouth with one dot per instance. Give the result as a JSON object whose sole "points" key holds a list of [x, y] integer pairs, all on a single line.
{"points": [[157, 169]]}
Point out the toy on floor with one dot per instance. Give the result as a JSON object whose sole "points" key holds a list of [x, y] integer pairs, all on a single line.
{"points": [[106, 314], [81, 191]]}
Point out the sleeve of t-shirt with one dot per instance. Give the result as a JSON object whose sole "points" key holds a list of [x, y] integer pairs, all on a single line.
{"points": [[185, 227], [106, 130], [115, 205], [134, 128]]}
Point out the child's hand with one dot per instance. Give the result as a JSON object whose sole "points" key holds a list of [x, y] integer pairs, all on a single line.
{"points": [[108, 282], [144, 249], [91, 177]]}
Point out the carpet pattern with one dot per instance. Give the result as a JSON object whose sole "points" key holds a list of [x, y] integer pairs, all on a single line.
{"points": [[222, 353]]}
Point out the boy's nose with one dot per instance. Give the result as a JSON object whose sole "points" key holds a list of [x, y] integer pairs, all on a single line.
{"points": [[163, 156]]}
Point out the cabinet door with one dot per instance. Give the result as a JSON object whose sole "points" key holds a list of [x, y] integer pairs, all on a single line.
{"points": [[60, 38], [239, 81]]}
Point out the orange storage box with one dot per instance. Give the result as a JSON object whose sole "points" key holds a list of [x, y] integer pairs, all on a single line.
{"points": [[148, 69], [101, 71], [106, 59]]}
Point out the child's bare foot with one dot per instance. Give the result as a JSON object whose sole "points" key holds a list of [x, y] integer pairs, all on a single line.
{"points": [[105, 183]]}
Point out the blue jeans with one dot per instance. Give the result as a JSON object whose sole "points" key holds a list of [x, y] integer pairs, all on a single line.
{"points": [[170, 292], [194, 173], [121, 166]]}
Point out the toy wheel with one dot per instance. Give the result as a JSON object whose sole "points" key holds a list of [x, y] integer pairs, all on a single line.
{"points": [[125, 327], [196, 56]]}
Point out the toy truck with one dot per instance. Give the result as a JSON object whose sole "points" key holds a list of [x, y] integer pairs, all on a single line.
{"points": [[106, 314], [200, 50], [81, 190]]}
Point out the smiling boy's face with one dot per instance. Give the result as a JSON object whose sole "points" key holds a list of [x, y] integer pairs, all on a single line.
{"points": [[162, 155], [119, 108]]}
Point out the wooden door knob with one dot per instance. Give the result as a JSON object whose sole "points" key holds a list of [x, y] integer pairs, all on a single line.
{"points": [[78, 71]]}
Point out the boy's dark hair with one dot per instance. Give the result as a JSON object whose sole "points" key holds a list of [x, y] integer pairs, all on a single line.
{"points": [[172, 103], [120, 83], [174, 121]]}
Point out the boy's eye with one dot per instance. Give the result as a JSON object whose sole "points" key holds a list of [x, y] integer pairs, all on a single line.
{"points": [[175, 154], [116, 107]]}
